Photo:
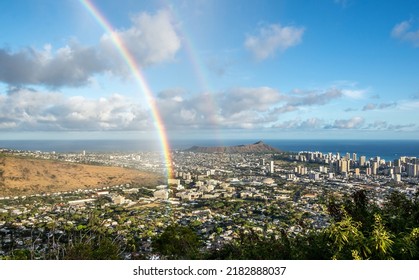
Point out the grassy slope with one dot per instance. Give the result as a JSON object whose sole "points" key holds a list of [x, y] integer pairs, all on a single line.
{"points": [[22, 176]]}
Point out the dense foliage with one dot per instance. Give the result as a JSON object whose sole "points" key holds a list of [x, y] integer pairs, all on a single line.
{"points": [[360, 230]]}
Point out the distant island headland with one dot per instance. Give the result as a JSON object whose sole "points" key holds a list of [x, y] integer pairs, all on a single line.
{"points": [[258, 147]]}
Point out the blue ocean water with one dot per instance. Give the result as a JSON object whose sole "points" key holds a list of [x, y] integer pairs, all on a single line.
{"points": [[386, 149]]}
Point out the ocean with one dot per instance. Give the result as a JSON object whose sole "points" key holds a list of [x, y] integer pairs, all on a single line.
{"points": [[385, 149]]}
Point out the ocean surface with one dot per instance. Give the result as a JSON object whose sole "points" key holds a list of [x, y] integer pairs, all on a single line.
{"points": [[386, 149]]}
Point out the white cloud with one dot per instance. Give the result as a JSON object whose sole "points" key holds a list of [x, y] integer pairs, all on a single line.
{"points": [[188, 115], [378, 125], [308, 124], [408, 105], [311, 123], [24, 109], [402, 31], [373, 106], [273, 38], [284, 109], [384, 125], [355, 93], [255, 99], [316, 124], [353, 123], [242, 107], [369, 106], [71, 65], [151, 39], [290, 124], [237, 108], [314, 97]]}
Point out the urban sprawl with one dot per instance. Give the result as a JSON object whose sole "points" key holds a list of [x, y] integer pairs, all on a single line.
{"points": [[217, 194]]}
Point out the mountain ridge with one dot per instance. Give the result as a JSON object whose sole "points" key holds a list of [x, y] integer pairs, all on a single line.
{"points": [[257, 147]]}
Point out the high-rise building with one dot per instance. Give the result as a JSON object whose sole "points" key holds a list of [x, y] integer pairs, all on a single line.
{"points": [[411, 170], [262, 161], [311, 157], [271, 169], [343, 166], [332, 166], [354, 157], [362, 160], [397, 170], [374, 169]]}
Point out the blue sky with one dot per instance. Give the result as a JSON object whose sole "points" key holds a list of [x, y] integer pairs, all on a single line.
{"points": [[217, 69]]}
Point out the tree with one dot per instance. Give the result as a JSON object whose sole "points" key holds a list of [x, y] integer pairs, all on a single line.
{"points": [[381, 243], [401, 213], [253, 246], [363, 230], [407, 246], [95, 248], [347, 239], [177, 242]]}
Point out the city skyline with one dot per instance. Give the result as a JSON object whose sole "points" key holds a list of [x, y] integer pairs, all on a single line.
{"points": [[222, 69]]}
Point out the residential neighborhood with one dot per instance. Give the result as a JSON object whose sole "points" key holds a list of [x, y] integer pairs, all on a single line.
{"points": [[219, 195]]}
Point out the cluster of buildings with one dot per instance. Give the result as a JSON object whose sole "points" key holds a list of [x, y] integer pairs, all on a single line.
{"points": [[350, 165], [220, 195]]}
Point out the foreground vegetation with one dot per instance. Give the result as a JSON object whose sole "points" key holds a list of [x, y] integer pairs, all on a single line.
{"points": [[360, 229]]}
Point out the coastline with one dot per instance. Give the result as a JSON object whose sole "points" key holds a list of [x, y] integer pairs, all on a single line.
{"points": [[386, 149]]}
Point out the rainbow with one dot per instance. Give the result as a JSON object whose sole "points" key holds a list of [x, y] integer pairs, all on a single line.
{"points": [[198, 70], [139, 78]]}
